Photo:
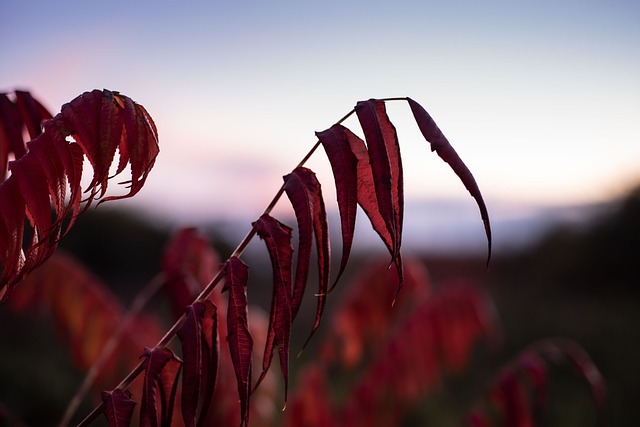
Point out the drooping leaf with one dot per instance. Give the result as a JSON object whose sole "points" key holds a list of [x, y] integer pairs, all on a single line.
{"points": [[160, 382], [100, 122], [386, 166], [200, 349], [118, 407], [344, 166], [367, 198], [304, 192], [441, 145], [277, 238], [239, 338]]}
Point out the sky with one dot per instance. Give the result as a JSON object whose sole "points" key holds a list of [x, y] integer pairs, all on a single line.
{"points": [[541, 99]]}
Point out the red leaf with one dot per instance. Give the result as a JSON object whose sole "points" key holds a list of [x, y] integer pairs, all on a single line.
{"points": [[344, 164], [368, 200], [277, 238], [100, 122], [160, 381], [15, 116], [32, 112], [304, 192], [11, 128], [441, 145], [239, 338], [386, 166], [118, 407], [366, 188], [189, 262], [200, 349]]}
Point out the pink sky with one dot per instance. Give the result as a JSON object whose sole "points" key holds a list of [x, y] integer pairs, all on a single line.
{"points": [[541, 100]]}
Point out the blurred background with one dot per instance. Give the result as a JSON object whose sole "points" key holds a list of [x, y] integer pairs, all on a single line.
{"points": [[540, 99]]}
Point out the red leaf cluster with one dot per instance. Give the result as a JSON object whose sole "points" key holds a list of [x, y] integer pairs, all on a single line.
{"points": [[212, 379], [397, 353], [518, 394], [44, 187], [48, 173], [86, 315]]}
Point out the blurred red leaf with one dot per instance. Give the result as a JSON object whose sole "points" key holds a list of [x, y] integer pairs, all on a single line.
{"points": [[304, 192], [24, 112], [86, 315], [310, 405], [189, 262], [518, 394]]}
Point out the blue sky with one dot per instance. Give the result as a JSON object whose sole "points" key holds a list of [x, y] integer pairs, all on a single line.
{"points": [[541, 99]]}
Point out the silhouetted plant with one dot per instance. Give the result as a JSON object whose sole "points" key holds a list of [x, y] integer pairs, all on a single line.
{"points": [[43, 187]]}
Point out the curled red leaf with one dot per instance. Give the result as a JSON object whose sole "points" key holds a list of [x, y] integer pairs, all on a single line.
{"points": [[441, 145], [160, 382], [99, 122], [200, 349], [386, 166], [343, 164], [304, 192], [277, 237], [518, 393], [238, 336]]}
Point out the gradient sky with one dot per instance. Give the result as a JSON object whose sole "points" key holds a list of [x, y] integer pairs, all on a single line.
{"points": [[541, 99]]}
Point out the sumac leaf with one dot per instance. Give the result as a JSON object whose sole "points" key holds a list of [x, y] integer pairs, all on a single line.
{"points": [[160, 382], [99, 123], [277, 238], [386, 166], [238, 336], [118, 407], [443, 148], [367, 198], [200, 349], [344, 166], [304, 192]]}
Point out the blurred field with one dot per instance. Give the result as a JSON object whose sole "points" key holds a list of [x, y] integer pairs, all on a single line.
{"points": [[579, 283]]}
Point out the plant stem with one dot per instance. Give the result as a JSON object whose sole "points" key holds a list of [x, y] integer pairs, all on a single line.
{"points": [[166, 339], [138, 304]]}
